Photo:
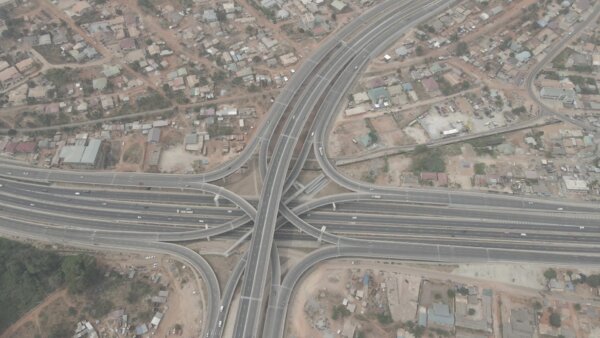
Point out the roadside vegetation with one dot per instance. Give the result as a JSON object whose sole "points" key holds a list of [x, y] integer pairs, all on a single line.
{"points": [[29, 274]]}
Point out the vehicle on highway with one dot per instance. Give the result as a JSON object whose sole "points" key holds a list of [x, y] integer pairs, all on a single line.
{"points": [[523, 234]]}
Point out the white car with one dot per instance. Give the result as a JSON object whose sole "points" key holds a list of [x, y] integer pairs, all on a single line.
{"points": [[523, 234], [77, 193]]}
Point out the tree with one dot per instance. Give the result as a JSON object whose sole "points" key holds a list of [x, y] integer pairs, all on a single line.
{"points": [[80, 272], [550, 274], [419, 50], [555, 319], [480, 168], [451, 293], [471, 312], [462, 48], [593, 280]]}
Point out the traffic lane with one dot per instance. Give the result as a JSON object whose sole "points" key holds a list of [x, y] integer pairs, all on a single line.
{"points": [[567, 218], [42, 175], [469, 234], [585, 226], [142, 214], [143, 196]]}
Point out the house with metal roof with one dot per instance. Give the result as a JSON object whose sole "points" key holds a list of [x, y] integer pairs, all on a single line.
{"points": [[153, 136], [83, 156], [439, 315]]}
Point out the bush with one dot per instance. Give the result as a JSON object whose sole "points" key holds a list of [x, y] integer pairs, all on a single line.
{"points": [[555, 319], [462, 49], [550, 274], [480, 168], [339, 311], [431, 160], [384, 318]]}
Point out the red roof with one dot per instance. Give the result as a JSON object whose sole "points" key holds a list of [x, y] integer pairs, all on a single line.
{"points": [[25, 147], [427, 176], [10, 147]]}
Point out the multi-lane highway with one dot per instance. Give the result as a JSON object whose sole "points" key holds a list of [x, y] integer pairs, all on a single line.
{"points": [[142, 212]]}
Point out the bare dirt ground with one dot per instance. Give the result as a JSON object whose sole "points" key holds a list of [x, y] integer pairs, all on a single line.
{"points": [[523, 282], [178, 160]]}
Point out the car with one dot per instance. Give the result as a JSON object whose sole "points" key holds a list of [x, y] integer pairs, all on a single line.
{"points": [[200, 221], [32, 204], [354, 217], [229, 211], [77, 193], [220, 323], [559, 209], [139, 217], [1, 185], [523, 234], [221, 309], [581, 227]]}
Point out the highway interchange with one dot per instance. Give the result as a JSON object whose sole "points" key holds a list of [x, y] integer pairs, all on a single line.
{"points": [[143, 212]]}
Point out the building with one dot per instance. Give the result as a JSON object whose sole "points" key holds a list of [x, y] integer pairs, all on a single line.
{"points": [[153, 136], [439, 315], [521, 324], [573, 184], [192, 142], [380, 97], [402, 333], [558, 94], [154, 158], [339, 5], [99, 83], [156, 319], [83, 156]]}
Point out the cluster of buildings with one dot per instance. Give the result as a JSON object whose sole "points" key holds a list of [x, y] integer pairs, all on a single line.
{"points": [[395, 91], [14, 74], [416, 306]]}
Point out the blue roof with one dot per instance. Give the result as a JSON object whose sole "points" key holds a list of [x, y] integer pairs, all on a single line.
{"points": [[407, 87], [366, 279]]}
